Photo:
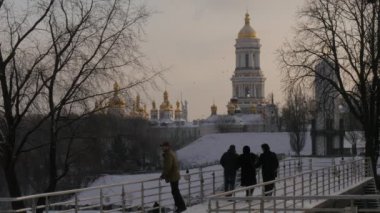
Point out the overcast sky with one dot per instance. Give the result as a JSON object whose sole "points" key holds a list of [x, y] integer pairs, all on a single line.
{"points": [[195, 39]]}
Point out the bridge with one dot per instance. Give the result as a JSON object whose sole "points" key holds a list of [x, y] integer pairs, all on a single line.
{"points": [[306, 185]]}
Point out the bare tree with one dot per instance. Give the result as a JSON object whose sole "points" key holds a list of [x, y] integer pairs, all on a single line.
{"points": [[295, 118], [347, 34], [353, 137], [55, 56]]}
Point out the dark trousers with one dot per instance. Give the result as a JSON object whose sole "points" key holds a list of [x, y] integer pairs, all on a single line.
{"points": [[269, 187], [229, 181], [178, 200]]}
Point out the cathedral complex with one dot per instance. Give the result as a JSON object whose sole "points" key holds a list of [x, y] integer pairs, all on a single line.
{"points": [[247, 109], [165, 115]]}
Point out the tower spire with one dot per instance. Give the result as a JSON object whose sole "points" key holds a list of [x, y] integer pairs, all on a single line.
{"points": [[247, 19]]}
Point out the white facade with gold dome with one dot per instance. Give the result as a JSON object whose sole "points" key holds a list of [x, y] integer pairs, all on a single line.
{"points": [[248, 81], [247, 110], [167, 114]]}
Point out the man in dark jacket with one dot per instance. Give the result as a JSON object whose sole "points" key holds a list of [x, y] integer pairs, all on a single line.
{"points": [[171, 174], [247, 162], [230, 163], [269, 165]]}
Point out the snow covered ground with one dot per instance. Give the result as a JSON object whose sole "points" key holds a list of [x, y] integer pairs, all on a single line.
{"points": [[209, 148]]}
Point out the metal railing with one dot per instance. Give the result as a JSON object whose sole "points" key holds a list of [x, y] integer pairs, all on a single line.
{"points": [[299, 192], [138, 196]]}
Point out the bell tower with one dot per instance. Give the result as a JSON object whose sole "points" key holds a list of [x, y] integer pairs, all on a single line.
{"points": [[248, 81]]}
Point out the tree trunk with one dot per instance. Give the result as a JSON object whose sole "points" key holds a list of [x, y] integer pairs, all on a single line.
{"points": [[13, 185], [371, 148], [53, 175]]}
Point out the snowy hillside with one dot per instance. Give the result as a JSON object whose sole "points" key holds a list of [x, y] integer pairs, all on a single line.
{"points": [[209, 148]]}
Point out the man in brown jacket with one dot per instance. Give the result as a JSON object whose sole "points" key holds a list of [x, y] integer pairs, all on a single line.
{"points": [[171, 174]]}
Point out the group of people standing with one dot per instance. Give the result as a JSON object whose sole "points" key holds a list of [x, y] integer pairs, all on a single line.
{"points": [[249, 162]]}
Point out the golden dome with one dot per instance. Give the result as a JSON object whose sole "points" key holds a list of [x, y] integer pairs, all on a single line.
{"points": [[247, 31], [116, 87], [231, 108], [177, 109], [116, 100], [153, 105], [214, 109], [166, 106]]}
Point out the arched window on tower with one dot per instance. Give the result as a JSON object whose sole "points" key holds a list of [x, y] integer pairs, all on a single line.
{"points": [[236, 91], [246, 60]]}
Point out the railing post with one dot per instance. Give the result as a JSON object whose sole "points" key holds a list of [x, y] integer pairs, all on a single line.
{"points": [[249, 205], [316, 182], [285, 194], [262, 199], [142, 197], [310, 164], [343, 173], [34, 207], [76, 203], [101, 200], [187, 178], [355, 171], [290, 168], [310, 182], [159, 195], [339, 171], [347, 174], [213, 182], [46, 204], [274, 200], [294, 192], [302, 189], [323, 181], [329, 179], [335, 173], [123, 206], [201, 183]]}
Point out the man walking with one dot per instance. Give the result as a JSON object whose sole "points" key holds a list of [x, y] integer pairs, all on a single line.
{"points": [[269, 165], [230, 163], [171, 175]]}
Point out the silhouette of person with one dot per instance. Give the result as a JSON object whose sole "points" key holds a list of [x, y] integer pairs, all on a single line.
{"points": [[269, 165], [247, 162], [230, 163]]}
